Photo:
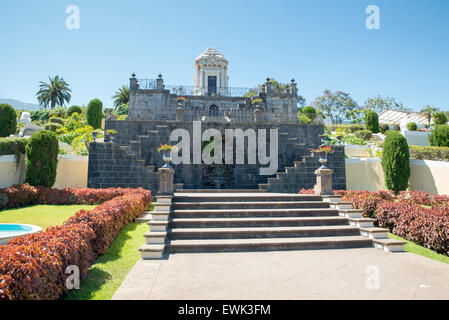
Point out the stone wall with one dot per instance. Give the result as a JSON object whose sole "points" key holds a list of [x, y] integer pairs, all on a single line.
{"points": [[133, 159]]}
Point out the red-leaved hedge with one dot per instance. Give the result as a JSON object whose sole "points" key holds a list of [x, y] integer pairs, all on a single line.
{"points": [[33, 267]]}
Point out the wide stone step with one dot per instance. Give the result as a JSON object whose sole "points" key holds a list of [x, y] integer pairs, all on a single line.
{"points": [[242, 197], [219, 190], [250, 204], [267, 244], [257, 222], [261, 232], [236, 213]]}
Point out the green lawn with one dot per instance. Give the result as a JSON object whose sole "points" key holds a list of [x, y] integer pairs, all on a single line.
{"points": [[41, 215], [417, 249], [108, 272]]}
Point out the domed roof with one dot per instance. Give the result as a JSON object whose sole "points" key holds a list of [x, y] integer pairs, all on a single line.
{"points": [[211, 53]]}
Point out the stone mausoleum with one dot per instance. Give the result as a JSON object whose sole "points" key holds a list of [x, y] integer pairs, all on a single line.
{"points": [[155, 111]]}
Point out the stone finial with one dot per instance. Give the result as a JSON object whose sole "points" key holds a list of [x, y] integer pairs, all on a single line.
{"points": [[133, 75], [160, 82], [292, 81], [268, 79]]}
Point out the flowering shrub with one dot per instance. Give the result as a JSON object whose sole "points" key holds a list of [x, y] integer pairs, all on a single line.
{"points": [[418, 197], [325, 149], [306, 191], [166, 147], [33, 267]]}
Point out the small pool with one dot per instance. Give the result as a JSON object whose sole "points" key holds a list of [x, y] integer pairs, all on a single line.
{"points": [[12, 230]]}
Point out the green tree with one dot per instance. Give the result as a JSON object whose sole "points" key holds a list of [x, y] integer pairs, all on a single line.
{"points": [[372, 121], [396, 162], [95, 113], [428, 112], [439, 118], [337, 106], [74, 109], [42, 158], [8, 120], [379, 104], [121, 96], [439, 137], [57, 91]]}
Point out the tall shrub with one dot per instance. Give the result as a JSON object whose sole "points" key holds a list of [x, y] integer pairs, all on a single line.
{"points": [[439, 118], [412, 126], [396, 162], [42, 158], [8, 120], [74, 109], [439, 137], [95, 113], [372, 121]]}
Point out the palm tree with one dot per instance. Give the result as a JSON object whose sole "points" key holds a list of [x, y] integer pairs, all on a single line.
{"points": [[428, 111], [121, 96], [56, 91]]}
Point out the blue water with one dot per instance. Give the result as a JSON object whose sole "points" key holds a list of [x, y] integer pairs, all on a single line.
{"points": [[9, 229]]}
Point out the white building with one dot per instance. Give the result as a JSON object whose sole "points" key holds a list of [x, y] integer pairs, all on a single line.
{"points": [[211, 73]]}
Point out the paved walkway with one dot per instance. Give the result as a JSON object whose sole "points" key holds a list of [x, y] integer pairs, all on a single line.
{"points": [[317, 274]]}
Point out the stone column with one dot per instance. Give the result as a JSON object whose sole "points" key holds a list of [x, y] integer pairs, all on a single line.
{"points": [[257, 115], [179, 114], [133, 83], [323, 182], [160, 82], [165, 181]]}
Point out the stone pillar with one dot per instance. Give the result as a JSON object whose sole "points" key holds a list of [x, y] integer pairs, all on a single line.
{"points": [[179, 114], [160, 82], [257, 115], [323, 182], [165, 181], [293, 88], [133, 83], [268, 87]]}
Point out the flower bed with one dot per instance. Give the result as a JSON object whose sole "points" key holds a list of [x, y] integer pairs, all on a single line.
{"points": [[404, 215], [33, 267]]}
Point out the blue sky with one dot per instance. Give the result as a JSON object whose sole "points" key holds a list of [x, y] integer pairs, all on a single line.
{"points": [[322, 44]]}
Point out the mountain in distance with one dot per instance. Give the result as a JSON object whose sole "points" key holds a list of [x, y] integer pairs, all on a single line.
{"points": [[16, 104]]}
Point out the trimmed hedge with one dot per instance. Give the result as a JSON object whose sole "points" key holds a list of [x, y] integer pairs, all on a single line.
{"points": [[8, 120], [33, 267], [439, 137], [412, 126], [372, 121], [52, 126], [396, 162], [14, 146], [363, 134], [429, 153], [348, 128], [95, 113], [74, 109], [57, 120], [42, 158]]}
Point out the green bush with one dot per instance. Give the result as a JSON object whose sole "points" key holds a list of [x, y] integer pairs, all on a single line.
{"points": [[372, 121], [95, 113], [8, 120], [309, 111], [59, 112], [42, 158], [384, 127], [411, 126], [396, 127], [74, 109], [52, 126], [363, 134], [348, 128], [40, 115], [122, 110], [439, 137], [303, 119], [439, 118], [351, 139], [396, 162], [429, 153], [57, 120], [15, 146]]}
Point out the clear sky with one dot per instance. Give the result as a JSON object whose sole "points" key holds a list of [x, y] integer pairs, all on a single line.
{"points": [[322, 44]]}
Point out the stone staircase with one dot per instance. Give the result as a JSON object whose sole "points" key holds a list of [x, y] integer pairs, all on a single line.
{"points": [[255, 220]]}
